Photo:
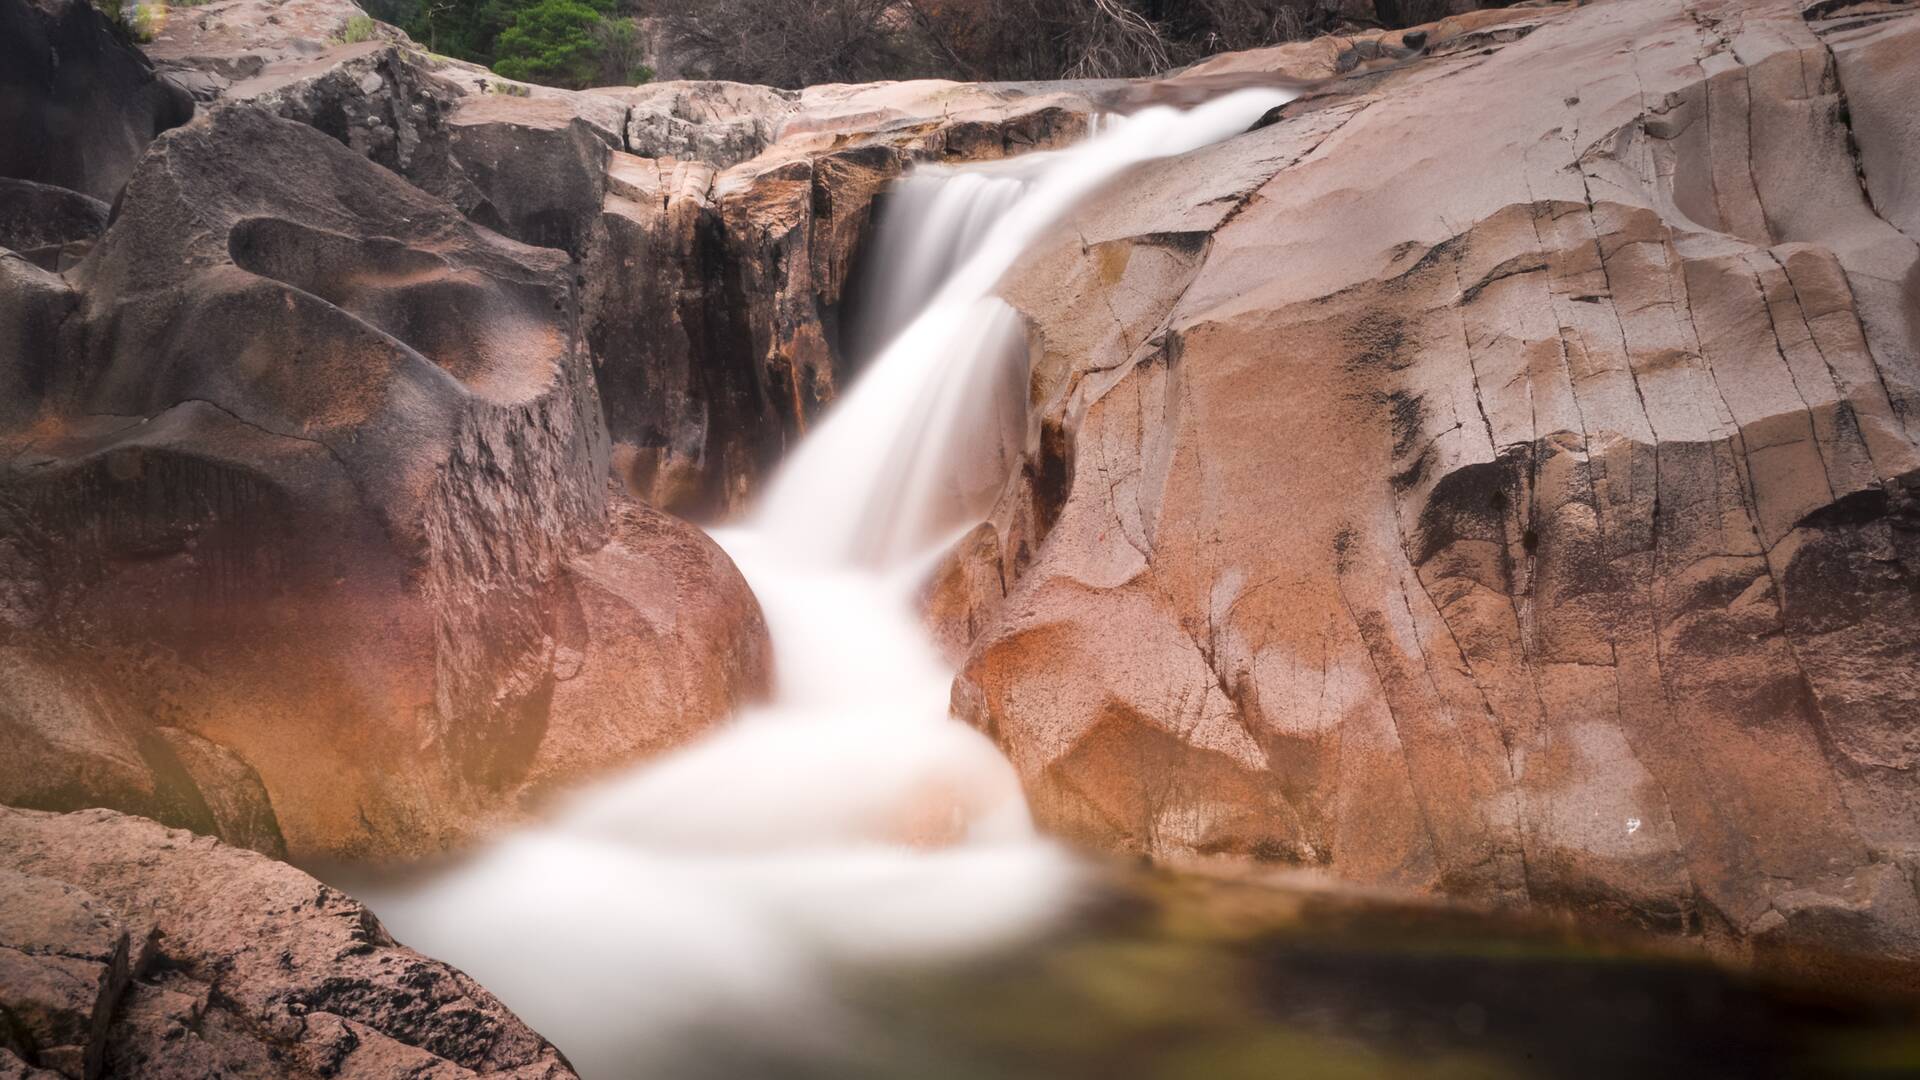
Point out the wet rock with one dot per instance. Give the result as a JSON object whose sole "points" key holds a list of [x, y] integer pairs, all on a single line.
{"points": [[77, 104], [715, 297], [1544, 539], [129, 949]]}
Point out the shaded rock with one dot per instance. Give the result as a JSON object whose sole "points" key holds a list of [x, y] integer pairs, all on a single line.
{"points": [[35, 304], [77, 104], [244, 966], [333, 404], [51, 226], [65, 743], [75, 744], [1543, 539], [715, 297], [239, 810], [523, 160], [713, 282], [383, 101], [532, 169], [12, 1068]]}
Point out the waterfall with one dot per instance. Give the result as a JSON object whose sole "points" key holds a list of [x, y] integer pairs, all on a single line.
{"points": [[877, 481], [850, 821]]}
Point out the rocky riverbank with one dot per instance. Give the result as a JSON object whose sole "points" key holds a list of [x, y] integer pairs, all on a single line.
{"points": [[1492, 477]]}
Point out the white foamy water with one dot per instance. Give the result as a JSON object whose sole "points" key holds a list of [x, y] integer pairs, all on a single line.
{"points": [[851, 821]]}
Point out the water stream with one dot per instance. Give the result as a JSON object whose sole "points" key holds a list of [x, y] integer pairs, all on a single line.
{"points": [[851, 822], [846, 883]]}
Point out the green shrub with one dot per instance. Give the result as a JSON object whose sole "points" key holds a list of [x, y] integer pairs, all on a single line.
{"points": [[132, 23], [148, 20], [551, 42], [359, 28]]}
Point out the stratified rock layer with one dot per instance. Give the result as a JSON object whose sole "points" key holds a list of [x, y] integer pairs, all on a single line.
{"points": [[1498, 477], [128, 949]]}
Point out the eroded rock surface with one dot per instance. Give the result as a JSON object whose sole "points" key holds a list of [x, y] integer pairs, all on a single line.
{"points": [[1496, 477], [297, 481], [129, 949], [716, 225], [77, 104]]}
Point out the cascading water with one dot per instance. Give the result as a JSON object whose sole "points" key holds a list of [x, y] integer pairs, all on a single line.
{"points": [[851, 821]]}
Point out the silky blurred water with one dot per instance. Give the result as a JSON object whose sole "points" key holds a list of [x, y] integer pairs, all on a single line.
{"points": [[846, 882], [851, 824]]}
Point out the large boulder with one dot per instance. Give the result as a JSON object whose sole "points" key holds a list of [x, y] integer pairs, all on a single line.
{"points": [[74, 744], [78, 104], [1497, 477], [297, 487], [129, 949], [526, 161]]}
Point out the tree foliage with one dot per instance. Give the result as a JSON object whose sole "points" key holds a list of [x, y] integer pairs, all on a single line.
{"points": [[801, 42], [572, 43], [788, 43], [796, 43], [551, 42]]}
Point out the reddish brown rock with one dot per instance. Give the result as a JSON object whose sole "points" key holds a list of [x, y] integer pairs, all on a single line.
{"points": [[129, 949], [65, 959], [1497, 478], [74, 743], [661, 638], [303, 502]]}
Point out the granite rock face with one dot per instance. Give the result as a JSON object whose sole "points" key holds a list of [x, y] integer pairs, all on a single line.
{"points": [[129, 949], [77, 104], [298, 471], [717, 289], [49, 226], [1496, 477], [307, 461], [716, 225]]}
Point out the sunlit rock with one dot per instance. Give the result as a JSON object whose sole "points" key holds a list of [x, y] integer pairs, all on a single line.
{"points": [[1494, 477]]}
